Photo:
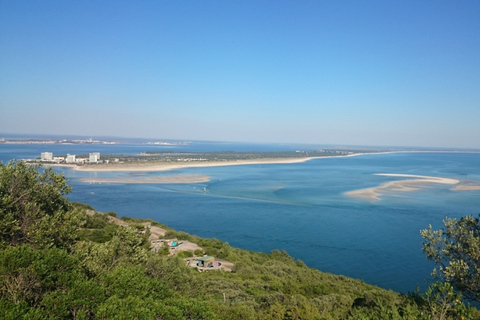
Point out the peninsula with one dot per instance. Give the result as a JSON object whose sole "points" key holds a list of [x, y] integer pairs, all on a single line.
{"points": [[165, 161]]}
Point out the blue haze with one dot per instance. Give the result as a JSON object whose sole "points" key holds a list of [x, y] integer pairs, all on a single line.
{"points": [[300, 208]]}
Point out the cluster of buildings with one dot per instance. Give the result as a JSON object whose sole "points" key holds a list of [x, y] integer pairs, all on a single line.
{"points": [[93, 157]]}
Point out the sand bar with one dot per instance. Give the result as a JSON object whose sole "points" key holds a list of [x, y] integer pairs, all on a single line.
{"points": [[468, 186], [166, 166], [180, 178], [415, 183]]}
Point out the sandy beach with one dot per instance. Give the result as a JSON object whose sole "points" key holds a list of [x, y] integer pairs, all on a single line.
{"points": [[165, 166], [168, 166], [414, 183]]}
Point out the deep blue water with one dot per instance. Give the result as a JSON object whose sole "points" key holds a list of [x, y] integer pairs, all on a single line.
{"points": [[300, 208]]}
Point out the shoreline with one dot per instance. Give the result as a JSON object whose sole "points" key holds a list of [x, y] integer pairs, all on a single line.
{"points": [[164, 166]]}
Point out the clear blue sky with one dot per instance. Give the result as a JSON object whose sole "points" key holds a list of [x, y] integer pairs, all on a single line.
{"points": [[399, 73]]}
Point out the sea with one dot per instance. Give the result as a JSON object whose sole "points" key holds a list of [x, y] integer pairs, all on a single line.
{"points": [[299, 207]]}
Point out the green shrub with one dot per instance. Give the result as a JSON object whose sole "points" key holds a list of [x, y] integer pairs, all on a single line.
{"points": [[185, 254], [180, 235], [111, 214], [83, 206], [97, 221]]}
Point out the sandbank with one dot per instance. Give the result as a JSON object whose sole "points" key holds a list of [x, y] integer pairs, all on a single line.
{"points": [[415, 183], [184, 178], [469, 186], [165, 166]]}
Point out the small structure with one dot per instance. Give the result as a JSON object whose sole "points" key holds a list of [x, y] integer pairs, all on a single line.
{"points": [[206, 262], [172, 244]]}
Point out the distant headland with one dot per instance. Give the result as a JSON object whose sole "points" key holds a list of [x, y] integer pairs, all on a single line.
{"points": [[87, 141]]}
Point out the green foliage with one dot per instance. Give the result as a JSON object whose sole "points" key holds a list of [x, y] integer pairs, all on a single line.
{"points": [[33, 208], [180, 235], [125, 248], [111, 214], [173, 271], [444, 303], [132, 280], [96, 221], [456, 251], [164, 250], [185, 254], [44, 283], [82, 206], [98, 235]]}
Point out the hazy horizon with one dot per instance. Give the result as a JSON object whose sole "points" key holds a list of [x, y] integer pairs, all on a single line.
{"points": [[313, 72]]}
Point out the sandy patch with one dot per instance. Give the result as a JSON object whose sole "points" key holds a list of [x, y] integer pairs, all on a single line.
{"points": [[467, 186], [415, 183], [156, 233], [117, 221], [185, 178]]}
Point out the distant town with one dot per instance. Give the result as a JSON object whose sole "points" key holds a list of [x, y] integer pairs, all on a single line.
{"points": [[51, 141], [85, 141], [48, 157]]}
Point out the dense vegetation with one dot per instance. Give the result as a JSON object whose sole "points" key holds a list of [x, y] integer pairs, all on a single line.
{"points": [[58, 262]]}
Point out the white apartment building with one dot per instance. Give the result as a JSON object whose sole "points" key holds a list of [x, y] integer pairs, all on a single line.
{"points": [[46, 156], [70, 158], [94, 157]]}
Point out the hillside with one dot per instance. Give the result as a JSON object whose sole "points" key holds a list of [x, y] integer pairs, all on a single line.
{"points": [[62, 260]]}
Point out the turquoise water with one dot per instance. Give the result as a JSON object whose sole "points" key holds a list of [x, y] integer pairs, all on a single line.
{"points": [[301, 208]]}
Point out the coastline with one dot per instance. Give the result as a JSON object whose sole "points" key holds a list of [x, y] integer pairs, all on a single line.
{"points": [[166, 166]]}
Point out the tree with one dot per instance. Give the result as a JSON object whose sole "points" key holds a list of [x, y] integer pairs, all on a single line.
{"points": [[33, 208], [456, 251], [443, 303]]}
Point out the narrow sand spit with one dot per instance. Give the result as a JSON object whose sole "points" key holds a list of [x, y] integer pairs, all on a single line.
{"points": [[167, 166], [180, 178], [164, 166], [415, 183]]}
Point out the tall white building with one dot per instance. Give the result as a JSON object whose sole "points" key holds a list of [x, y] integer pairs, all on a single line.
{"points": [[94, 157], [70, 158], [48, 156]]}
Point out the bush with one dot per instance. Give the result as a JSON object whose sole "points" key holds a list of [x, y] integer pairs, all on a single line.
{"points": [[180, 235], [33, 208], [83, 206], [98, 235], [185, 254], [97, 221]]}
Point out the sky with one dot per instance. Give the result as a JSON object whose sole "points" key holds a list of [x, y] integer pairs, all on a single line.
{"points": [[379, 73]]}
